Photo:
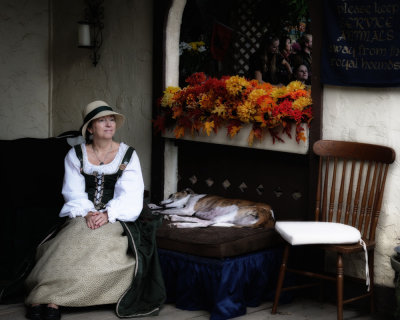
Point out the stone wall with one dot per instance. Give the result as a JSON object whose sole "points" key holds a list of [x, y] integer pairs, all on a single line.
{"points": [[372, 116], [123, 76], [24, 69], [46, 80]]}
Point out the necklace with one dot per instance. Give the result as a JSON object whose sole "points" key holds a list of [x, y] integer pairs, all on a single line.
{"points": [[105, 157]]}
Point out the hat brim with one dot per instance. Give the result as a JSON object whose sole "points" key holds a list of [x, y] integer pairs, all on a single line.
{"points": [[119, 120]]}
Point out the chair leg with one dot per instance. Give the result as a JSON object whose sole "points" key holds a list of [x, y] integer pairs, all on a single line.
{"points": [[371, 278], [339, 286], [321, 297], [281, 277]]}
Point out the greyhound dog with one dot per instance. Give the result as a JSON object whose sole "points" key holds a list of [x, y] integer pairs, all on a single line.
{"points": [[187, 209]]}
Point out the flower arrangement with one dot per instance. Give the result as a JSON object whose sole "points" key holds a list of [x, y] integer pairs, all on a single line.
{"points": [[207, 104], [192, 47], [192, 58]]}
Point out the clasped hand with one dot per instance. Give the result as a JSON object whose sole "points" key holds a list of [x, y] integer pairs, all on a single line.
{"points": [[96, 219]]}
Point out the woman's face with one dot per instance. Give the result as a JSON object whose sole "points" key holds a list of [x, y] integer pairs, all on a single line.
{"points": [[308, 43], [274, 46], [302, 73], [103, 128]]}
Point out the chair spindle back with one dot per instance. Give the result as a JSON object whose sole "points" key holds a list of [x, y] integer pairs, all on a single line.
{"points": [[351, 183]]}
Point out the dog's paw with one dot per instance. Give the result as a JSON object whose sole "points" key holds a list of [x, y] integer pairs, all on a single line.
{"points": [[191, 224], [180, 225], [153, 206]]}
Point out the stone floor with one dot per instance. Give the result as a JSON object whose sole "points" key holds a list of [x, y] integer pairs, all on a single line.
{"points": [[299, 309]]}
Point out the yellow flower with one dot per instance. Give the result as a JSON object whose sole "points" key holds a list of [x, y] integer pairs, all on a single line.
{"points": [[208, 126], [168, 98], [294, 86], [206, 101], [235, 85], [278, 92], [301, 103], [219, 109], [245, 111], [255, 94], [234, 101], [196, 45]]}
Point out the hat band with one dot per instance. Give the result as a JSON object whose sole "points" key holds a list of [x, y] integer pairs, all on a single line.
{"points": [[92, 113]]}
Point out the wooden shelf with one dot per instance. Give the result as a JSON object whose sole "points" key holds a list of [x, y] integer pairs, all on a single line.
{"points": [[241, 140]]}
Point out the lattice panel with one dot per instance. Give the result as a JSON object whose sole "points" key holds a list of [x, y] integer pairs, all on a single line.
{"points": [[248, 33]]}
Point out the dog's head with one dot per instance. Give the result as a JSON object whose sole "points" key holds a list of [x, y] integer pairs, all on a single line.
{"points": [[177, 199], [265, 217]]}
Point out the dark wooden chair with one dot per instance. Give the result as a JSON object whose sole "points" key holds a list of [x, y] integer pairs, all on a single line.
{"points": [[351, 183]]}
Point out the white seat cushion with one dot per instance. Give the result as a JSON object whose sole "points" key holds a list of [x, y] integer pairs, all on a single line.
{"points": [[313, 232]]}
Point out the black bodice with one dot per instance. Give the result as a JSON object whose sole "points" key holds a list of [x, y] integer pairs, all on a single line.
{"points": [[99, 186]]}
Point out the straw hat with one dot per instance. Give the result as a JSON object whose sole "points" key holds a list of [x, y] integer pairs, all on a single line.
{"points": [[98, 109]]}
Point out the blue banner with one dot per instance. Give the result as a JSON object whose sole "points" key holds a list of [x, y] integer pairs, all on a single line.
{"points": [[361, 43]]}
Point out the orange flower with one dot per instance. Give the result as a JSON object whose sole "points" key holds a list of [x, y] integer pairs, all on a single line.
{"points": [[251, 138], [299, 93], [179, 132], [301, 136], [207, 104], [233, 130], [177, 112], [206, 101]]}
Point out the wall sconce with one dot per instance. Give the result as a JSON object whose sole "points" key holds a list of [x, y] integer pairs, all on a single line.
{"points": [[90, 30]]}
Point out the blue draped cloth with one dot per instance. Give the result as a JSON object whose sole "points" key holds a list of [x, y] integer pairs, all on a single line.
{"points": [[223, 287]]}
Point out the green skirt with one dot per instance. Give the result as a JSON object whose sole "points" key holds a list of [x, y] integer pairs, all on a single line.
{"points": [[82, 267]]}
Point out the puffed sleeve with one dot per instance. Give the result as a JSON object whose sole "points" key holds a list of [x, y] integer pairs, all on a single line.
{"points": [[76, 199], [127, 202]]}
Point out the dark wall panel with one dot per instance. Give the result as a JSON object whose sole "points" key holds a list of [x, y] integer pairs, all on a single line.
{"points": [[277, 178]]}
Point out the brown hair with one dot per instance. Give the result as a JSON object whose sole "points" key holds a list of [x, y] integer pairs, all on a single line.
{"points": [[268, 62]]}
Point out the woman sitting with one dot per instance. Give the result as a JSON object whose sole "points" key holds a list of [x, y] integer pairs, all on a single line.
{"points": [[89, 262]]}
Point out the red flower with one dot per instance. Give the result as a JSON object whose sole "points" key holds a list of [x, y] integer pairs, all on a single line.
{"points": [[206, 105], [196, 78]]}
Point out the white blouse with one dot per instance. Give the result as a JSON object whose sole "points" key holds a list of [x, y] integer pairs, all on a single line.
{"points": [[127, 202]]}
